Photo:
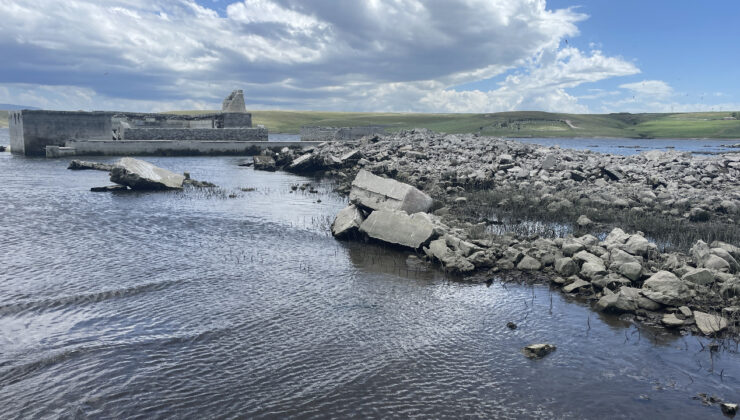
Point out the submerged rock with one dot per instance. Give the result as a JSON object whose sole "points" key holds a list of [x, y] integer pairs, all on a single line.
{"points": [[83, 164], [109, 188], [140, 175], [538, 351], [379, 193]]}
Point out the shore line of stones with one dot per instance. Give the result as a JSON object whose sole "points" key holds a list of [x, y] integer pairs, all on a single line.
{"points": [[624, 273]]}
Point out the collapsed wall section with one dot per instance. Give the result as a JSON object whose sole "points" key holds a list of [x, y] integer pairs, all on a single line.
{"points": [[195, 134]]}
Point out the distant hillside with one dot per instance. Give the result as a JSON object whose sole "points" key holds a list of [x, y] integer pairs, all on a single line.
{"points": [[518, 123]]}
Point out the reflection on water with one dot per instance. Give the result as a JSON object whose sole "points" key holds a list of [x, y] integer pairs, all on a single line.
{"points": [[193, 304]]}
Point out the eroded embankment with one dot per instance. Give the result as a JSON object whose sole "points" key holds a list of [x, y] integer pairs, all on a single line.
{"points": [[677, 265]]}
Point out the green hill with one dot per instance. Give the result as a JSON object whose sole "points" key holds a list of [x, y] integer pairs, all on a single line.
{"points": [[517, 124]]}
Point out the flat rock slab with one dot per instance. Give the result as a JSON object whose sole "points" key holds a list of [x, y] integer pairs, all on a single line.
{"points": [[709, 324], [264, 163], [399, 228], [379, 193], [140, 175], [347, 222]]}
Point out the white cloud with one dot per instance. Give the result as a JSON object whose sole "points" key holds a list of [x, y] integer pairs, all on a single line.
{"points": [[393, 55], [652, 88]]}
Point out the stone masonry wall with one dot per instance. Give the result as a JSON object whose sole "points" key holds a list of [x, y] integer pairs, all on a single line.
{"points": [[195, 134], [32, 130]]}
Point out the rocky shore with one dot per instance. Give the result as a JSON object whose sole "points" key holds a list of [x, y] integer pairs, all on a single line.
{"points": [[436, 193]]}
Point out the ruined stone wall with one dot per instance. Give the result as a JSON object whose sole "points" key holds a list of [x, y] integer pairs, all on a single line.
{"points": [[311, 133], [196, 134], [32, 130]]}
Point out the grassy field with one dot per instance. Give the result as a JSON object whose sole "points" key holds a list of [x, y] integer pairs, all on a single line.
{"points": [[517, 124], [510, 124]]}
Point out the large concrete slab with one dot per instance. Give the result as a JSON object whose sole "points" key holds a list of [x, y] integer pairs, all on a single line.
{"points": [[399, 228], [140, 175], [377, 193]]}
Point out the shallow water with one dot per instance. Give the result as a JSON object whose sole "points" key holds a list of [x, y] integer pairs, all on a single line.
{"points": [[193, 304], [633, 146]]}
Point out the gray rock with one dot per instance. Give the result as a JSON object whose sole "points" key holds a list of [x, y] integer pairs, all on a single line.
{"points": [[732, 249], [538, 351], [631, 270], [672, 321], [572, 246], [305, 163], [664, 287], [109, 188], [714, 262], [528, 263], [140, 175], [347, 222], [566, 266], [397, 227], [378, 193], [83, 164], [575, 286], [482, 259], [701, 276], [685, 311], [734, 266], [637, 245], [709, 324], [264, 163], [584, 221]]}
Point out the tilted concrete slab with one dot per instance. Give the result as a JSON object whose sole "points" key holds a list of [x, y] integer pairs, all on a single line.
{"points": [[397, 227], [379, 193], [140, 175]]}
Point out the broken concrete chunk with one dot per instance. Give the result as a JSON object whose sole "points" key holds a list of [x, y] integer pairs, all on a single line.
{"points": [[347, 222], [538, 351], [397, 227], [83, 164], [264, 163], [664, 287], [379, 193], [709, 324], [140, 175]]}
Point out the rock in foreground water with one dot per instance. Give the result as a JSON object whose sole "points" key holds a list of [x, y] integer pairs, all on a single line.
{"points": [[140, 175], [399, 228], [379, 193], [538, 351]]}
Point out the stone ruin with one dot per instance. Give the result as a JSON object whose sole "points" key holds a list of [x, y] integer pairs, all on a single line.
{"points": [[234, 102]]}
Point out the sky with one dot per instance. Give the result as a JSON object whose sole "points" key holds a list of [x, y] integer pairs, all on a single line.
{"points": [[575, 56]]}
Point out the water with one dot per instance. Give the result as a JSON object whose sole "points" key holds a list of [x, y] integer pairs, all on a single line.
{"points": [[193, 304], [634, 146]]}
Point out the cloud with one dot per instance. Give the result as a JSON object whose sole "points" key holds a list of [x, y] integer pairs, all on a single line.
{"points": [[652, 88], [376, 55]]}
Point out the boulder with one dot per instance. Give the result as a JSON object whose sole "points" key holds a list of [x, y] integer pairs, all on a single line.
{"points": [[305, 163], [140, 175], [449, 258], [631, 270], [626, 300], [637, 245], [672, 321], [379, 193], [714, 262], [584, 221], [701, 276], [720, 252], [347, 222], [264, 163], [398, 227], [566, 266], [732, 249], [665, 288], [528, 263], [709, 324]]}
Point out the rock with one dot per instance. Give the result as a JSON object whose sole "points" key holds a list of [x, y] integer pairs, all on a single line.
{"points": [[637, 245], [716, 263], [538, 351], [528, 263], [671, 321], [616, 237], [709, 324], [729, 410], [305, 163], [397, 227], [592, 271], [631, 270], [109, 188], [482, 259], [378, 193], [699, 253], [352, 155], [626, 300], [698, 214], [140, 175], [571, 246], [2, 148], [575, 286], [511, 325], [734, 266], [549, 162], [449, 258], [83, 164], [566, 266], [613, 173], [664, 287], [685, 311], [701, 276], [264, 163], [584, 221], [347, 222], [732, 249]]}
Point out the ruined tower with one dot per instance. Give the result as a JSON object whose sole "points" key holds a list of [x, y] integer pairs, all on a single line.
{"points": [[234, 102]]}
